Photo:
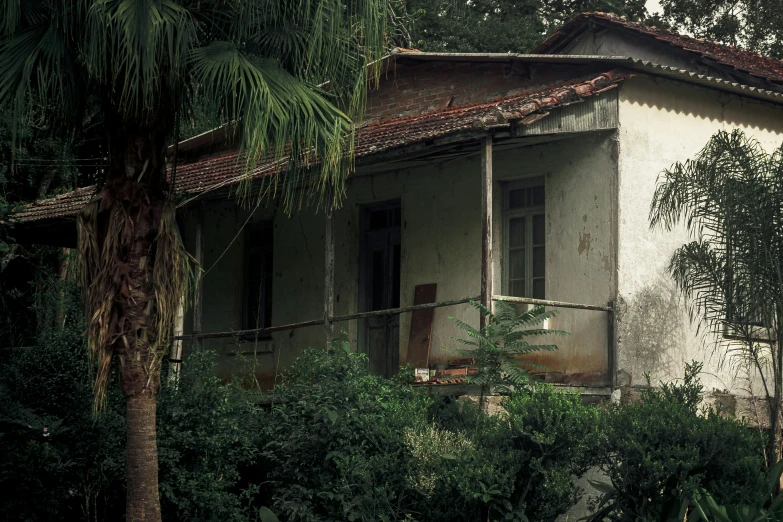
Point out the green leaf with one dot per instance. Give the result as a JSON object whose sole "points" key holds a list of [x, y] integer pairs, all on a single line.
{"points": [[266, 515]]}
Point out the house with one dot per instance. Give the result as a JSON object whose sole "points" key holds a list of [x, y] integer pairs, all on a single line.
{"points": [[525, 177]]}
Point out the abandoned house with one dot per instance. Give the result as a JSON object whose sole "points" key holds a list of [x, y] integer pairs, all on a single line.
{"points": [[524, 177]]}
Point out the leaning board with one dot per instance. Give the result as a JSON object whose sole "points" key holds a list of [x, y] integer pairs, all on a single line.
{"points": [[421, 326]]}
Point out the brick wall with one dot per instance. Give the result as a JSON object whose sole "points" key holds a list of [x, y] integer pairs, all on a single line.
{"points": [[412, 87]]}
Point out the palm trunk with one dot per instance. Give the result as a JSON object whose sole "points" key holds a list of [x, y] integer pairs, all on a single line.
{"points": [[141, 472], [126, 243]]}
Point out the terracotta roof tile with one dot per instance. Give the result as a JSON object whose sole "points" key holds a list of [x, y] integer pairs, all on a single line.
{"points": [[227, 168], [63, 205], [742, 60]]}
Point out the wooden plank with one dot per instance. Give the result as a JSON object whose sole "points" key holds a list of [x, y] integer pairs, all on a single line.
{"points": [[487, 263], [320, 322], [420, 337], [556, 304]]}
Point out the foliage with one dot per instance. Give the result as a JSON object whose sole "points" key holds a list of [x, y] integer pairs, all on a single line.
{"points": [[58, 462], [500, 347], [660, 450], [556, 437], [730, 198], [256, 63], [500, 26], [463, 475], [753, 24], [345, 445], [209, 432], [770, 507], [517, 465], [335, 440]]}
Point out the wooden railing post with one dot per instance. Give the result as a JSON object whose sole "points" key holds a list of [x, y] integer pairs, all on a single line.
{"points": [[328, 274], [487, 259], [198, 290]]}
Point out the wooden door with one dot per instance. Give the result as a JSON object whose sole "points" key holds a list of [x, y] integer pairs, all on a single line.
{"points": [[380, 285]]}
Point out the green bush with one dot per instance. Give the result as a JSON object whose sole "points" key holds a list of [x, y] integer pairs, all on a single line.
{"points": [[345, 445], [57, 460], [335, 437], [208, 432], [464, 467], [661, 449], [555, 437]]}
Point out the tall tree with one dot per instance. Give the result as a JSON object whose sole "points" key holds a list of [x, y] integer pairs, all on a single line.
{"points": [[260, 63], [730, 198], [756, 25], [500, 26]]}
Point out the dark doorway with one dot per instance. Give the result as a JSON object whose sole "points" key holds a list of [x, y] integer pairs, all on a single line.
{"points": [[379, 285]]}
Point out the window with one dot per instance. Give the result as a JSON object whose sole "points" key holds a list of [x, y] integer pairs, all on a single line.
{"points": [[524, 245], [257, 309]]}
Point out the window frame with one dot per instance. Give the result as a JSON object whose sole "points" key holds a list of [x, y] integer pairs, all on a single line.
{"points": [[528, 212]]}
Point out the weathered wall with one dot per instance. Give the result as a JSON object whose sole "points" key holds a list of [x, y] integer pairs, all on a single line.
{"points": [[440, 244], [613, 42], [662, 122]]}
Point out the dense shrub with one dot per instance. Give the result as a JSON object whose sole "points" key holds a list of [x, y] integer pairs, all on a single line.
{"points": [[208, 431], [335, 437], [59, 461], [555, 437], [659, 450], [344, 445]]}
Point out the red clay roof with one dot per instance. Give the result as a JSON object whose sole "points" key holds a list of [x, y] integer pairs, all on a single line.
{"points": [[742, 60], [226, 169]]}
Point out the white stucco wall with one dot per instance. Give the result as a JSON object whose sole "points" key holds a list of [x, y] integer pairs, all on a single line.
{"points": [[662, 122], [440, 244]]}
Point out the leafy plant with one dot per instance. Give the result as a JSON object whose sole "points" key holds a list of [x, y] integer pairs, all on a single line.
{"points": [[658, 452], [555, 438], [730, 198], [210, 432], [335, 440], [500, 347], [770, 508]]}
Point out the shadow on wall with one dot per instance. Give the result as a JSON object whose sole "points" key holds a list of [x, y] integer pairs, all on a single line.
{"points": [[651, 335]]}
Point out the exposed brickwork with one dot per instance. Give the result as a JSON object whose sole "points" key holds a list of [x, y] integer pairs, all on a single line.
{"points": [[412, 88]]}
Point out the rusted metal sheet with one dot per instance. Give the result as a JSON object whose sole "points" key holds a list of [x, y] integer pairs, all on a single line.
{"points": [[420, 337], [594, 113]]}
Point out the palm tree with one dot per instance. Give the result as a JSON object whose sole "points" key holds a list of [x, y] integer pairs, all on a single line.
{"points": [[730, 198], [277, 69]]}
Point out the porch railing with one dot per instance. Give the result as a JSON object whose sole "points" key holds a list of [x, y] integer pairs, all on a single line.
{"points": [[610, 309]]}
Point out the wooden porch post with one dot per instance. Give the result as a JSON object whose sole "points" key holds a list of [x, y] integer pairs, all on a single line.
{"points": [[175, 358], [198, 290], [487, 265], [328, 274]]}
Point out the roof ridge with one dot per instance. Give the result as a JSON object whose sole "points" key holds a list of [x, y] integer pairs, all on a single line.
{"points": [[741, 59]]}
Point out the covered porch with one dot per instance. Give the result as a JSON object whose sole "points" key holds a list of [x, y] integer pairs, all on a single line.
{"points": [[525, 213]]}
